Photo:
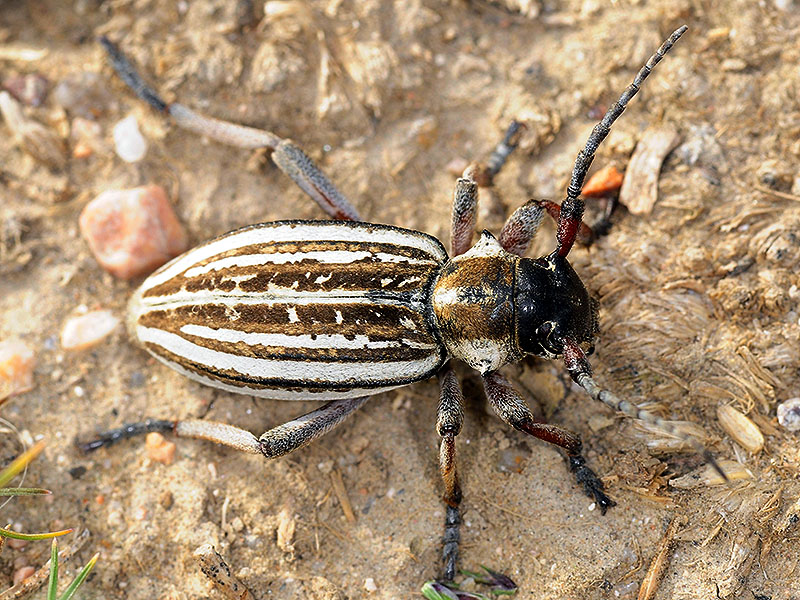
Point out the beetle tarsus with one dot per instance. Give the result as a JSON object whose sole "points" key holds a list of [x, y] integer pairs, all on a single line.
{"points": [[128, 74], [592, 484], [112, 436]]}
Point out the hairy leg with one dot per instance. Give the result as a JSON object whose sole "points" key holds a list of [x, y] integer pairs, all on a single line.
{"points": [[288, 157], [511, 408]]}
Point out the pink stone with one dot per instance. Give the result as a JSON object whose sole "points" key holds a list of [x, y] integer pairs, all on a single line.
{"points": [[131, 232], [159, 449], [22, 574], [16, 368]]}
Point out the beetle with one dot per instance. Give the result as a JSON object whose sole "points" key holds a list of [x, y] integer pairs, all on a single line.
{"points": [[340, 310]]}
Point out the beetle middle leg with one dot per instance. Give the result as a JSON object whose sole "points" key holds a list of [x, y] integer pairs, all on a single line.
{"points": [[450, 417], [511, 408], [286, 155]]}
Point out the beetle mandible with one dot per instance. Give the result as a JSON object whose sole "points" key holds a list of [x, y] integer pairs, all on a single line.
{"points": [[341, 310]]}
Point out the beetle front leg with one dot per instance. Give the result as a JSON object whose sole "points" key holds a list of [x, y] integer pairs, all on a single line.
{"points": [[287, 156], [465, 202], [511, 408], [448, 426], [521, 227]]}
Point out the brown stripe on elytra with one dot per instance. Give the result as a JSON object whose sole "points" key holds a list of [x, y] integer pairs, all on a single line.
{"points": [[364, 274], [379, 322], [330, 354], [291, 247], [234, 378]]}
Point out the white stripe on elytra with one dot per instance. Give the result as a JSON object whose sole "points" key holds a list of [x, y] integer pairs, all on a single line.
{"points": [[335, 340], [268, 298], [275, 393], [330, 231], [328, 257], [314, 372]]}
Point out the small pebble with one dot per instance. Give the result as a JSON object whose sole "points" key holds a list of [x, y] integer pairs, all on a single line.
{"points": [[29, 89], [789, 414], [16, 544], [159, 449], [369, 585], [86, 137], [166, 500], [22, 574], [733, 65], [129, 142], [83, 94], [84, 331], [132, 231], [16, 368], [115, 519], [326, 466]]}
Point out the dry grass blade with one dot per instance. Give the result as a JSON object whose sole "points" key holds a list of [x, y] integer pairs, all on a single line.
{"points": [[660, 561]]}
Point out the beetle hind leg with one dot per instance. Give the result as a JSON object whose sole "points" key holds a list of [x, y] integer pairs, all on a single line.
{"points": [[511, 408], [287, 156], [273, 443]]}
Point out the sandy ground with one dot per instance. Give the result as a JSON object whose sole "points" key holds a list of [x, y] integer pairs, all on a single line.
{"points": [[699, 298]]}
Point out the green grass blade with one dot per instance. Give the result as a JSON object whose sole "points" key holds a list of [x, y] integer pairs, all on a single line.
{"points": [[20, 463], [32, 536], [70, 591], [24, 491], [52, 586]]}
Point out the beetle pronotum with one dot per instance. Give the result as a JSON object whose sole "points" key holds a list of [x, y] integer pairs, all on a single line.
{"points": [[341, 310]]}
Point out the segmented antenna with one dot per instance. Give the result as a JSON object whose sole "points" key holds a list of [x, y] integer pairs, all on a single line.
{"points": [[572, 206], [581, 371]]}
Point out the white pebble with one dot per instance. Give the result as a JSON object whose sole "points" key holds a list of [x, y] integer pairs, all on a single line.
{"points": [[369, 585], [129, 143], [789, 414], [85, 331]]}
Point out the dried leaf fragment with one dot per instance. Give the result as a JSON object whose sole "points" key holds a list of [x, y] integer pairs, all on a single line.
{"points": [[640, 187], [708, 475], [603, 182], [33, 137], [743, 431], [217, 570]]}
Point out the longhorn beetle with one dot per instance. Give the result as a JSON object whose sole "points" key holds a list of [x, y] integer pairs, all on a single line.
{"points": [[340, 310]]}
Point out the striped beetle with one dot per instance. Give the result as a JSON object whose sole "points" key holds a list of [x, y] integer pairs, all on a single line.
{"points": [[340, 310]]}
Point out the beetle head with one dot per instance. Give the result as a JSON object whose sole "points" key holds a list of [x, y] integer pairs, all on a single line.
{"points": [[552, 304]]}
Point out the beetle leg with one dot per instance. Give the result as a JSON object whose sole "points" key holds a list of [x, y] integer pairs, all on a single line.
{"points": [[276, 442], [511, 408], [465, 202], [521, 227], [485, 172], [448, 426], [581, 372], [285, 154], [501, 153]]}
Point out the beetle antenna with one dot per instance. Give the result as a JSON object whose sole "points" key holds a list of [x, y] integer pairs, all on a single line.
{"points": [[572, 207], [581, 372]]}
